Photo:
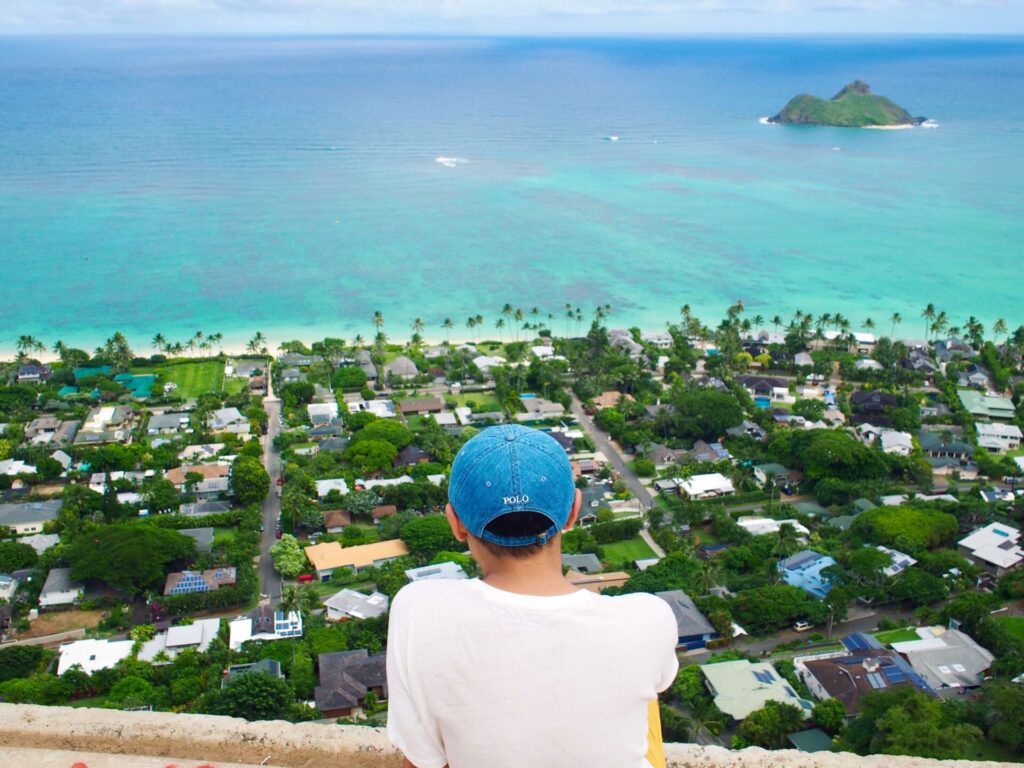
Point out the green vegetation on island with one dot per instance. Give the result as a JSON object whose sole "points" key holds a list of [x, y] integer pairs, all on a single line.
{"points": [[853, 107]]}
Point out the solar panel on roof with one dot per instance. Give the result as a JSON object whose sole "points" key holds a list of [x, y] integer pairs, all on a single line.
{"points": [[894, 675], [854, 642], [876, 680]]}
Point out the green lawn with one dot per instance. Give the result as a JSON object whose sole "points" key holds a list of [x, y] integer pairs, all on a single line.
{"points": [[480, 402], [627, 550], [897, 636], [193, 377], [225, 533], [1014, 625]]}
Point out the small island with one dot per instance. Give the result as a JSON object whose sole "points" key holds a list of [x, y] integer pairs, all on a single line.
{"points": [[853, 107]]}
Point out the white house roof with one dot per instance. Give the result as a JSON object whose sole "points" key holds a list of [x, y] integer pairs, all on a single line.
{"points": [[446, 570], [759, 526], [711, 483], [996, 543], [899, 562], [93, 655], [1004, 431], [742, 687], [895, 441], [385, 482], [322, 409], [946, 658], [358, 605], [323, 487]]}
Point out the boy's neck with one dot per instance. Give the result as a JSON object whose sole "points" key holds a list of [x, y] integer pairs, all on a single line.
{"points": [[538, 575]]}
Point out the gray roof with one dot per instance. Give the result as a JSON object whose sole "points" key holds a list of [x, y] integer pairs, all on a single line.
{"points": [[59, 580], [200, 508], [346, 676], [955, 662], [689, 620], [167, 420], [32, 512], [203, 537], [587, 563]]}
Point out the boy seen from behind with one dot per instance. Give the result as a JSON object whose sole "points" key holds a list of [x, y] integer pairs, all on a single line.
{"points": [[521, 669]]}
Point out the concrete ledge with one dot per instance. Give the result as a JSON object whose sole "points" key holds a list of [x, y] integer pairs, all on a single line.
{"points": [[218, 742], [58, 758]]}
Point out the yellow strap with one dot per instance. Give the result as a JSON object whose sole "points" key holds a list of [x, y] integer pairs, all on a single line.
{"points": [[655, 748]]}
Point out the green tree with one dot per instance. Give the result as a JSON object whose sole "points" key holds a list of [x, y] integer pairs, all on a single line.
{"points": [[428, 535], [360, 504], [249, 480], [254, 696], [15, 555], [289, 559], [20, 661], [829, 715], [1005, 713], [768, 727], [384, 429], [131, 558], [371, 455], [160, 495], [834, 454], [132, 691]]}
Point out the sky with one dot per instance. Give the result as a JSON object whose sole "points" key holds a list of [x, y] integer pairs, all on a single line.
{"points": [[513, 17]]}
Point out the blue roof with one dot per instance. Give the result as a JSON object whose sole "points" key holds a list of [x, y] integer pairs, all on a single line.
{"points": [[804, 569], [859, 641]]}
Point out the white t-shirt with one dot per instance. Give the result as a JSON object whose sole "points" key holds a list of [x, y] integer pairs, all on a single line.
{"points": [[483, 678]]}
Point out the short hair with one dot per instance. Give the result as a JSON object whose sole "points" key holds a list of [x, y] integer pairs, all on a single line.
{"points": [[516, 524]]}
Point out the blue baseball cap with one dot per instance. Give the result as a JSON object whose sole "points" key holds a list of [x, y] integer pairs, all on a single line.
{"points": [[510, 468]]}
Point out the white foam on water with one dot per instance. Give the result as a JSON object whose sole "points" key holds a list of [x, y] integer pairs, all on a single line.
{"points": [[450, 162]]}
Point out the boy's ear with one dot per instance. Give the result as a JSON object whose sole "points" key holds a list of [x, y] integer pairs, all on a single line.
{"points": [[458, 529], [575, 512]]}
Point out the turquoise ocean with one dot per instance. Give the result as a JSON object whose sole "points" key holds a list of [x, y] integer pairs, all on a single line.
{"points": [[295, 186]]}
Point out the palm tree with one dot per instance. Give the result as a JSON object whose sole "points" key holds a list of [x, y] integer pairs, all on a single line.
{"points": [[999, 329], [777, 323], [61, 350], [896, 319], [470, 325], [159, 342], [787, 541], [928, 314], [758, 321], [417, 327], [518, 317], [940, 323], [500, 325], [708, 575], [257, 344], [868, 324], [378, 320], [199, 336], [216, 338], [448, 325], [28, 343]]}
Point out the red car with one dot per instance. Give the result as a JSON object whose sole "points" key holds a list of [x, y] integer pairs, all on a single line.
{"points": [[278, 533], [305, 578]]}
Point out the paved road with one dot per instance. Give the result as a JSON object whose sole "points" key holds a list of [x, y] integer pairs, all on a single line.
{"points": [[611, 452], [270, 580], [57, 639]]}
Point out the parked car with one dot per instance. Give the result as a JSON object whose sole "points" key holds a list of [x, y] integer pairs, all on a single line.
{"points": [[278, 533], [802, 626], [305, 578]]}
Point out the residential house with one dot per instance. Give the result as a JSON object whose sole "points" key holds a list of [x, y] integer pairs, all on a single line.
{"points": [[742, 687], [766, 526], [244, 369], [944, 451], [776, 473], [611, 399], [202, 508], [324, 487], [33, 373], [585, 563], [63, 459], [349, 604], [803, 360], [863, 668], [873, 402], [867, 364], [994, 496], [186, 582], [382, 409], [328, 557], [98, 481], [950, 349], [622, 340], [804, 570], [29, 517], [974, 376], [998, 438], [203, 537], [420, 406], [40, 542], [261, 667], [996, 548], [896, 443], [8, 586], [986, 406], [203, 452], [322, 413], [539, 409], [693, 628], [668, 485], [15, 467], [707, 486], [167, 423], [662, 456], [948, 660], [401, 368], [920, 362], [898, 561], [660, 339], [563, 440], [704, 451], [109, 424], [410, 456], [748, 429], [264, 623], [49, 430], [345, 679], [772, 388], [336, 520], [382, 511], [93, 655], [300, 359], [59, 590], [292, 376], [196, 636], [228, 420], [215, 479], [445, 570]]}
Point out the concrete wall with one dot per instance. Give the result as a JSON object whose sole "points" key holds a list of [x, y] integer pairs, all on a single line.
{"points": [[30, 733]]}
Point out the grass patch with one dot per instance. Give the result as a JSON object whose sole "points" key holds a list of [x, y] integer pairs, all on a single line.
{"points": [[479, 402], [704, 537], [94, 701], [1014, 625], [983, 749], [897, 636], [627, 551], [227, 534], [193, 377]]}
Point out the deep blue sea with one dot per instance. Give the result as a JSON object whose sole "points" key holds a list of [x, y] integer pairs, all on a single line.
{"points": [[295, 186]]}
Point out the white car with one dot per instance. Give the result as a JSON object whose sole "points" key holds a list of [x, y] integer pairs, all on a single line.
{"points": [[802, 626]]}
